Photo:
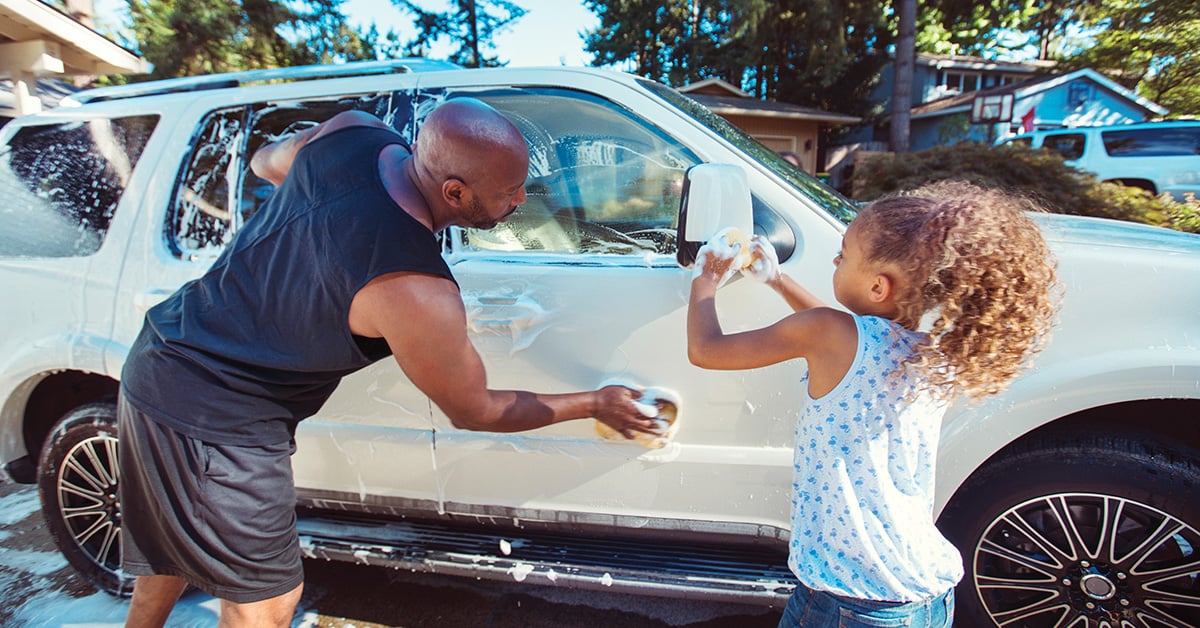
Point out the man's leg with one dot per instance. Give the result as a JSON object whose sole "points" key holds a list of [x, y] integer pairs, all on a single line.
{"points": [[153, 599], [275, 611]]}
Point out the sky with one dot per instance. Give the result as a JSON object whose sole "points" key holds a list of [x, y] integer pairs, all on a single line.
{"points": [[548, 34]]}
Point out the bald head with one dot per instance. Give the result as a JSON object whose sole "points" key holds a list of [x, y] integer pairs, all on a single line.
{"points": [[465, 138], [469, 165]]}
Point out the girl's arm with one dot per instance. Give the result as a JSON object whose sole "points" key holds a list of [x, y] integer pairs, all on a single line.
{"points": [[825, 336], [764, 267], [797, 296]]}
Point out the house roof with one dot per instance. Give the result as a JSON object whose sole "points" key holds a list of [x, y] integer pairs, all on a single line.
{"points": [[713, 87], [962, 102], [722, 98], [71, 47], [960, 62]]}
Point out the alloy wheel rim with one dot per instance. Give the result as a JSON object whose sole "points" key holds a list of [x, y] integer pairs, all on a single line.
{"points": [[1081, 560], [89, 505]]}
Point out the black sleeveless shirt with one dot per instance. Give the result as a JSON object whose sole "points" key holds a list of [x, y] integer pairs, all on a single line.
{"points": [[242, 354]]}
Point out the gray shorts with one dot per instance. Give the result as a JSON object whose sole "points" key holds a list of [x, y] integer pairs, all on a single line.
{"points": [[221, 517]]}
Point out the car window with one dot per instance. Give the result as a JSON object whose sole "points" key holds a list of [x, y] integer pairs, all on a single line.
{"points": [[601, 180], [217, 191], [60, 184], [1160, 142], [824, 196], [1021, 141], [1069, 145]]}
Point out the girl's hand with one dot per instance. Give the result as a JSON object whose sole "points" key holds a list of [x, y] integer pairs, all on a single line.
{"points": [[718, 259], [764, 262]]}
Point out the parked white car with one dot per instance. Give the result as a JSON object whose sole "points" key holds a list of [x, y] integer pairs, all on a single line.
{"points": [[1073, 497], [1161, 157]]}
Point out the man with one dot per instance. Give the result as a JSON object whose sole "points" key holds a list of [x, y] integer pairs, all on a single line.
{"points": [[339, 269]]}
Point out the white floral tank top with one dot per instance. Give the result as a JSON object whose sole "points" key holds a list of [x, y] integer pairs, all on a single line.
{"points": [[862, 488]]}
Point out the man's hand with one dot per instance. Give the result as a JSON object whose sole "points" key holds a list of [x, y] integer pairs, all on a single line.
{"points": [[617, 407]]}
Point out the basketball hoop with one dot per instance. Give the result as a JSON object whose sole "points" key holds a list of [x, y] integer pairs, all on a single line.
{"points": [[992, 108]]}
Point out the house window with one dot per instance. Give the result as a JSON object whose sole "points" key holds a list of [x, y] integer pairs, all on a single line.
{"points": [[959, 81]]}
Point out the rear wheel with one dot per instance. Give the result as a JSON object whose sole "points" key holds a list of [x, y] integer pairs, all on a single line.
{"points": [[77, 481], [1090, 532]]}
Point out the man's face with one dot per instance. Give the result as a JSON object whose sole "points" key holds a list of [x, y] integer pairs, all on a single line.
{"points": [[487, 212], [496, 195]]}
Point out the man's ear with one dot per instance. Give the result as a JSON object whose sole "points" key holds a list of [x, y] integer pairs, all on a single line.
{"points": [[881, 288], [454, 192]]}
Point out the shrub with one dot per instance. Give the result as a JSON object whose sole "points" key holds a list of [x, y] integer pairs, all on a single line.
{"points": [[1038, 173]]}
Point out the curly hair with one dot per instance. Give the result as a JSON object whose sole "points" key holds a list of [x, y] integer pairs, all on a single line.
{"points": [[978, 278]]}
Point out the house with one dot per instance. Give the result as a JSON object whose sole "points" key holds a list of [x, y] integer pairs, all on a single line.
{"points": [[958, 99], [781, 126], [940, 76], [947, 89], [39, 43], [1080, 98]]}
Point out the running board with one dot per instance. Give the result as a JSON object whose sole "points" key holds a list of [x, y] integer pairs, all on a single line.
{"points": [[648, 567]]}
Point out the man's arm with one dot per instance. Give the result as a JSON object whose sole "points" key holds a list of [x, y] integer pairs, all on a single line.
{"points": [[273, 161], [424, 321]]}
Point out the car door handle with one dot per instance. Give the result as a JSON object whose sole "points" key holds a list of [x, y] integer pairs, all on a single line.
{"points": [[501, 311], [151, 297], [522, 317]]}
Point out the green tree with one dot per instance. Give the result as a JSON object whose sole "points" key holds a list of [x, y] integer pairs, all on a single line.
{"points": [[470, 23], [193, 37], [327, 37], [1151, 46], [994, 27], [808, 52]]}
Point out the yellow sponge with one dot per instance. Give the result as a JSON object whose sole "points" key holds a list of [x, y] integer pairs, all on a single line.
{"points": [[734, 237]]}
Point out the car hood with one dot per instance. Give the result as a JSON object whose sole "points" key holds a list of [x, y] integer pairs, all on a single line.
{"points": [[1080, 230]]}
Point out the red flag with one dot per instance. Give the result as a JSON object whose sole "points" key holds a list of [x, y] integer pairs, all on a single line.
{"points": [[1027, 120]]}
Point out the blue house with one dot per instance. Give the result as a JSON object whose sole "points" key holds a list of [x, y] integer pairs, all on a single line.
{"points": [[1080, 98], [958, 99]]}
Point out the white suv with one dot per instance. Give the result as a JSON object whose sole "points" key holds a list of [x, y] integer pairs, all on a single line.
{"points": [[1073, 495], [1161, 157]]}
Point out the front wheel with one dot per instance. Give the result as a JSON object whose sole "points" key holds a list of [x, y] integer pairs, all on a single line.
{"points": [[77, 482], [1087, 532]]}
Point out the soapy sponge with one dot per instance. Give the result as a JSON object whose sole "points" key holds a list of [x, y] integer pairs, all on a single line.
{"points": [[738, 238]]}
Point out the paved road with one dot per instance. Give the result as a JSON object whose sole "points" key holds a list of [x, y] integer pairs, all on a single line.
{"points": [[37, 588]]}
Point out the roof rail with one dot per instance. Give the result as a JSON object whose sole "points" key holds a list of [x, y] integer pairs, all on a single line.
{"points": [[237, 79]]}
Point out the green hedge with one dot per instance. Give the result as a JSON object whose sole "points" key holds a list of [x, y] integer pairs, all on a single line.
{"points": [[1038, 173]]}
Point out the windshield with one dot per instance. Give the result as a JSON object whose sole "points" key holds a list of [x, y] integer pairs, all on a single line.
{"points": [[824, 196]]}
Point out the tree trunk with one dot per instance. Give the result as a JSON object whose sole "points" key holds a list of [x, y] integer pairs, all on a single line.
{"points": [[474, 24], [902, 76]]}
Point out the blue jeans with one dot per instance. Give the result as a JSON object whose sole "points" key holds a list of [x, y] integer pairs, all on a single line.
{"points": [[816, 609]]}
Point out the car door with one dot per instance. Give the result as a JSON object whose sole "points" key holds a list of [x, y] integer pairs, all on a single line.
{"points": [[66, 215], [580, 287], [373, 437]]}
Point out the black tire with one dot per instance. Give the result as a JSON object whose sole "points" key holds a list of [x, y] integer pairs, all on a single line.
{"points": [[1083, 531], [77, 481]]}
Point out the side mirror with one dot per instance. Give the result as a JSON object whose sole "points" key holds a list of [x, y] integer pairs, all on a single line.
{"points": [[715, 196]]}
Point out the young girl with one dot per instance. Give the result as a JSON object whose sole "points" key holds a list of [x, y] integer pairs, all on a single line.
{"points": [[949, 290]]}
